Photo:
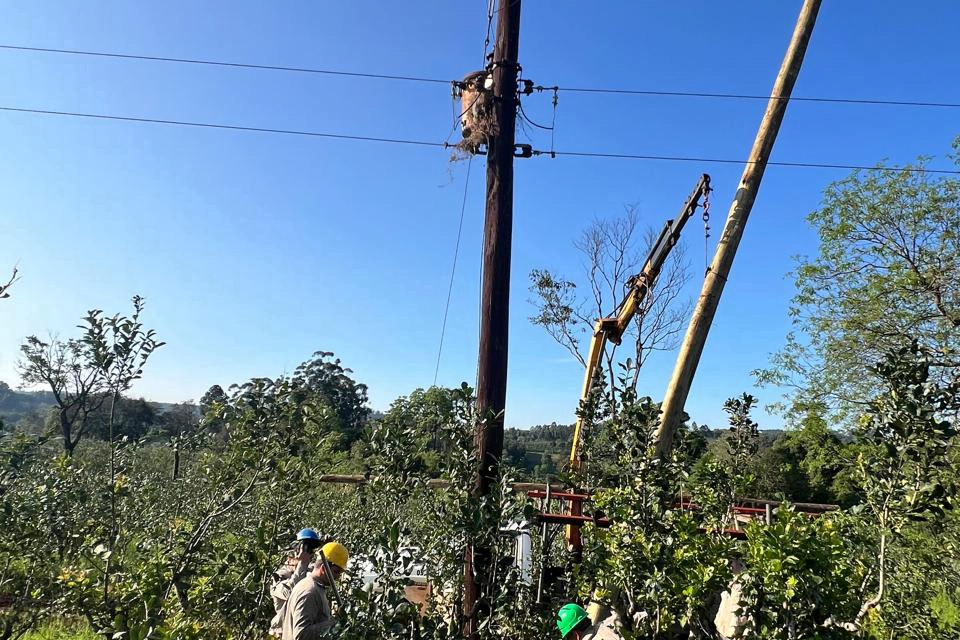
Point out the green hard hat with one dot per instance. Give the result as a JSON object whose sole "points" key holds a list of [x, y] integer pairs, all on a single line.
{"points": [[569, 616]]}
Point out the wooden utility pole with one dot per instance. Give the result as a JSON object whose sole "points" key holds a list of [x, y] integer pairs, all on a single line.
{"points": [[696, 336], [494, 309]]}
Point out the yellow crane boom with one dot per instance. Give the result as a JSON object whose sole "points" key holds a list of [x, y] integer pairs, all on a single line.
{"points": [[612, 328]]}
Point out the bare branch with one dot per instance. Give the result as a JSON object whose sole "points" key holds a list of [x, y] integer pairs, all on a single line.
{"points": [[611, 256], [4, 287]]}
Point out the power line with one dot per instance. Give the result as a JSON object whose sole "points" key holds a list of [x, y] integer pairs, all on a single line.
{"points": [[745, 96], [423, 79], [427, 143], [486, 41], [229, 127], [217, 63], [453, 270], [773, 163]]}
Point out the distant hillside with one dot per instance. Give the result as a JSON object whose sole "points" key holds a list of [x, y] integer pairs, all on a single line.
{"points": [[541, 449], [15, 405]]}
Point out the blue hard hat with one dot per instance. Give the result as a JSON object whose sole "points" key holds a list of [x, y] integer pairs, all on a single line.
{"points": [[308, 534]]}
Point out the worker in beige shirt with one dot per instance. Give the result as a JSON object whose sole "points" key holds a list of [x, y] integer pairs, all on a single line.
{"points": [[295, 569], [307, 615]]}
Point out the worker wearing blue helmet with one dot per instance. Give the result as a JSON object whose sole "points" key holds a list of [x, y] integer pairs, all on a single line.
{"points": [[297, 566]]}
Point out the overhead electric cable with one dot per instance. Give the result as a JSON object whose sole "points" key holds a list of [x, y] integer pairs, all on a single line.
{"points": [[229, 127], [424, 79], [218, 63], [486, 41], [772, 163], [453, 270], [427, 143], [745, 96]]}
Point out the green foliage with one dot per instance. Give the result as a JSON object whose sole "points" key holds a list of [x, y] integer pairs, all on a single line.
{"points": [[796, 582], [115, 537], [18, 405], [330, 383], [40, 492], [922, 581], [175, 537], [720, 480], [558, 306], [152, 554], [439, 525], [814, 461], [885, 567], [653, 565], [904, 467], [61, 631], [422, 416], [84, 373], [533, 453], [907, 479], [381, 609], [547, 466], [539, 451], [744, 441], [887, 272], [945, 610], [132, 419]]}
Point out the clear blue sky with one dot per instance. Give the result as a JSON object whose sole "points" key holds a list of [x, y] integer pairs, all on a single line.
{"points": [[255, 250]]}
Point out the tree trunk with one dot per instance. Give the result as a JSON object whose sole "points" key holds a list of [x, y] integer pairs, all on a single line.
{"points": [[65, 429], [176, 461]]}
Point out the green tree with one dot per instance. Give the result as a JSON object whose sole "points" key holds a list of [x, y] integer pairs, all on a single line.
{"points": [[214, 394], [887, 271], [653, 565], [441, 524], [546, 467], [26, 568], [210, 404], [329, 381], [133, 419], [743, 441], [813, 461], [922, 598], [729, 471], [515, 454], [117, 348], [424, 412], [904, 468], [88, 373], [4, 392], [78, 386], [797, 583]]}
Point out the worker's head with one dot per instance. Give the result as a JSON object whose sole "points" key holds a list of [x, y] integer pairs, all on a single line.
{"points": [[337, 557], [308, 539], [573, 621]]}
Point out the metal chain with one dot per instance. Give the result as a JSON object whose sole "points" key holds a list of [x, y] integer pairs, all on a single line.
{"points": [[706, 231]]}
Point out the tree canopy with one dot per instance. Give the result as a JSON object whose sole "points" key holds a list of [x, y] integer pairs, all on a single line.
{"points": [[887, 272]]}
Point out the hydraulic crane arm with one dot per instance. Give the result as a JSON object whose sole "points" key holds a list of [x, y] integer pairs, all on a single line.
{"points": [[612, 328]]}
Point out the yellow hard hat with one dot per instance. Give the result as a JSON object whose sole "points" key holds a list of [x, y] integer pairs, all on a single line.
{"points": [[336, 554]]}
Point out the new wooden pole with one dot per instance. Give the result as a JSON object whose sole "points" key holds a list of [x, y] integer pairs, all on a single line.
{"points": [[696, 336]]}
